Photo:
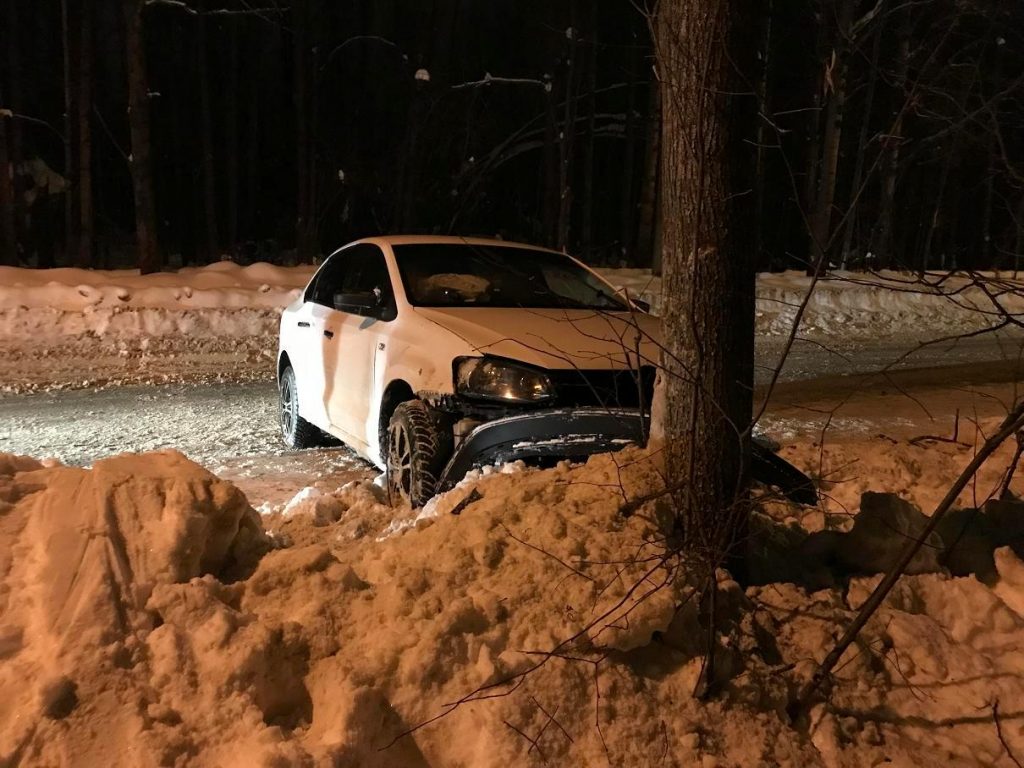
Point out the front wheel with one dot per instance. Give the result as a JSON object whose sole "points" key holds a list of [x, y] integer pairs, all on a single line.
{"points": [[417, 451], [296, 431]]}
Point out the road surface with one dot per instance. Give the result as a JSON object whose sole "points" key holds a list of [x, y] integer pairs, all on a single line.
{"points": [[232, 428]]}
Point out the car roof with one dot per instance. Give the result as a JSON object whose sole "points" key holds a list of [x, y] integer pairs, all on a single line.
{"points": [[450, 240]]}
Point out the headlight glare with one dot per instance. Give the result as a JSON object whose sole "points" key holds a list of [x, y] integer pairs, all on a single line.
{"points": [[501, 380]]}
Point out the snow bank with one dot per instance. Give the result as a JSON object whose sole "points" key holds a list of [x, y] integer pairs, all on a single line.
{"points": [[125, 640], [216, 286], [218, 321], [856, 305], [222, 320]]}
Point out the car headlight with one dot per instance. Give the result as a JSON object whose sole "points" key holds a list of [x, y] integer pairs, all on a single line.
{"points": [[501, 380]]}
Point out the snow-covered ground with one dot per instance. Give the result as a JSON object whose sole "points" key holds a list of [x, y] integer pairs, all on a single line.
{"points": [[73, 328], [149, 617]]}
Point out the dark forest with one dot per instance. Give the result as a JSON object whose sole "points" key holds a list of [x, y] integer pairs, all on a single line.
{"points": [[888, 134]]}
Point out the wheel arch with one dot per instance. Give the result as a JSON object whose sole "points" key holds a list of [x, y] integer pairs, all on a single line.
{"points": [[283, 361], [398, 391]]}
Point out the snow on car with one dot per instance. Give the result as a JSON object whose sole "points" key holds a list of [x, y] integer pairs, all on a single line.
{"points": [[431, 355]]}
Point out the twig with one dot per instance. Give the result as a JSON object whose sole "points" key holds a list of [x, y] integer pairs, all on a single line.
{"points": [[551, 719], [1004, 488], [553, 556], [939, 439], [533, 742]]}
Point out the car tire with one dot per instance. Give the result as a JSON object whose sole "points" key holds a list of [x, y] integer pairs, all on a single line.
{"points": [[296, 431], [417, 451]]}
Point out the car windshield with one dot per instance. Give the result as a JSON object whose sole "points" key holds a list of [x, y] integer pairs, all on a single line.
{"points": [[470, 275]]}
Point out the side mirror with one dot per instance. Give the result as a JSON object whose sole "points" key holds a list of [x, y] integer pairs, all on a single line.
{"points": [[643, 306], [358, 303]]}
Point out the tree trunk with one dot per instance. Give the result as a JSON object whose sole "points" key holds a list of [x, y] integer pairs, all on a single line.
{"points": [[821, 221], [884, 243], [183, 216], [83, 253], [253, 147], [70, 12], [627, 205], [567, 140], [708, 289], [587, 242], [13, 102], [647, 241], [936, 218], [862, 146], [8, 240], [210, 240], [231, 138], [760, 179], [1018, 250], [304, 214], [140, 163], [549, 193]]}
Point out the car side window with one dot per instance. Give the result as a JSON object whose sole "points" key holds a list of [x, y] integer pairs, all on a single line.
{"points": [[330, 274], [356, 271]]}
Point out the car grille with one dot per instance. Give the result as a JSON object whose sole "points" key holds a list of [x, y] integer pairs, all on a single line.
{"points": [[622, 389]]}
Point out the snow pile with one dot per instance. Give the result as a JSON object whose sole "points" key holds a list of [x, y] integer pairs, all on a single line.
{"points": [[137, 628], [86, 556]]}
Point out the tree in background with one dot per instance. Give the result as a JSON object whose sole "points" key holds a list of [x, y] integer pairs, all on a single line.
{"points": [[147, 248]]}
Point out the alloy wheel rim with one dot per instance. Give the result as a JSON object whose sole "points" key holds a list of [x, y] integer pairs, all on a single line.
{"points": [[288, 407], [400, 461]]}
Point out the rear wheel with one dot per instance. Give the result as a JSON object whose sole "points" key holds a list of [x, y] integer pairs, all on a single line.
{"points": [[296, 431], [417, 451]]}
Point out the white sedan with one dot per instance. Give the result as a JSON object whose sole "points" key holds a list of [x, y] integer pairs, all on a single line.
{"points": [[401, 347]]}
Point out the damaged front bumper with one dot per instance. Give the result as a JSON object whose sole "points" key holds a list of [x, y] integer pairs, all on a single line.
{"points": [[576, 433], [561, 433]]}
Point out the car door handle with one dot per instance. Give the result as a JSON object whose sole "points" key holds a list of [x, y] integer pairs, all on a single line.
{"points": [[329, 334], [303, 324]]}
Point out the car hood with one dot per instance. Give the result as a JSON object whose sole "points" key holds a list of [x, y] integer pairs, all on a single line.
{"points": [[552, 338]]}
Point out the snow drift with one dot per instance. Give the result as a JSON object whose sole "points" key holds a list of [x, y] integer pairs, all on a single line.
{"points": [[221, 320], [145, 619]]}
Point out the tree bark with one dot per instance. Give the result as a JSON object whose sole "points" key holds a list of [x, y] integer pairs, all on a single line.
{"points": [[704, 51], [140, 162]]}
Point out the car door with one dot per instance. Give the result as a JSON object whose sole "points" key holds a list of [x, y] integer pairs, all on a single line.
{"points": [[352, 336], [305, 346]]}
